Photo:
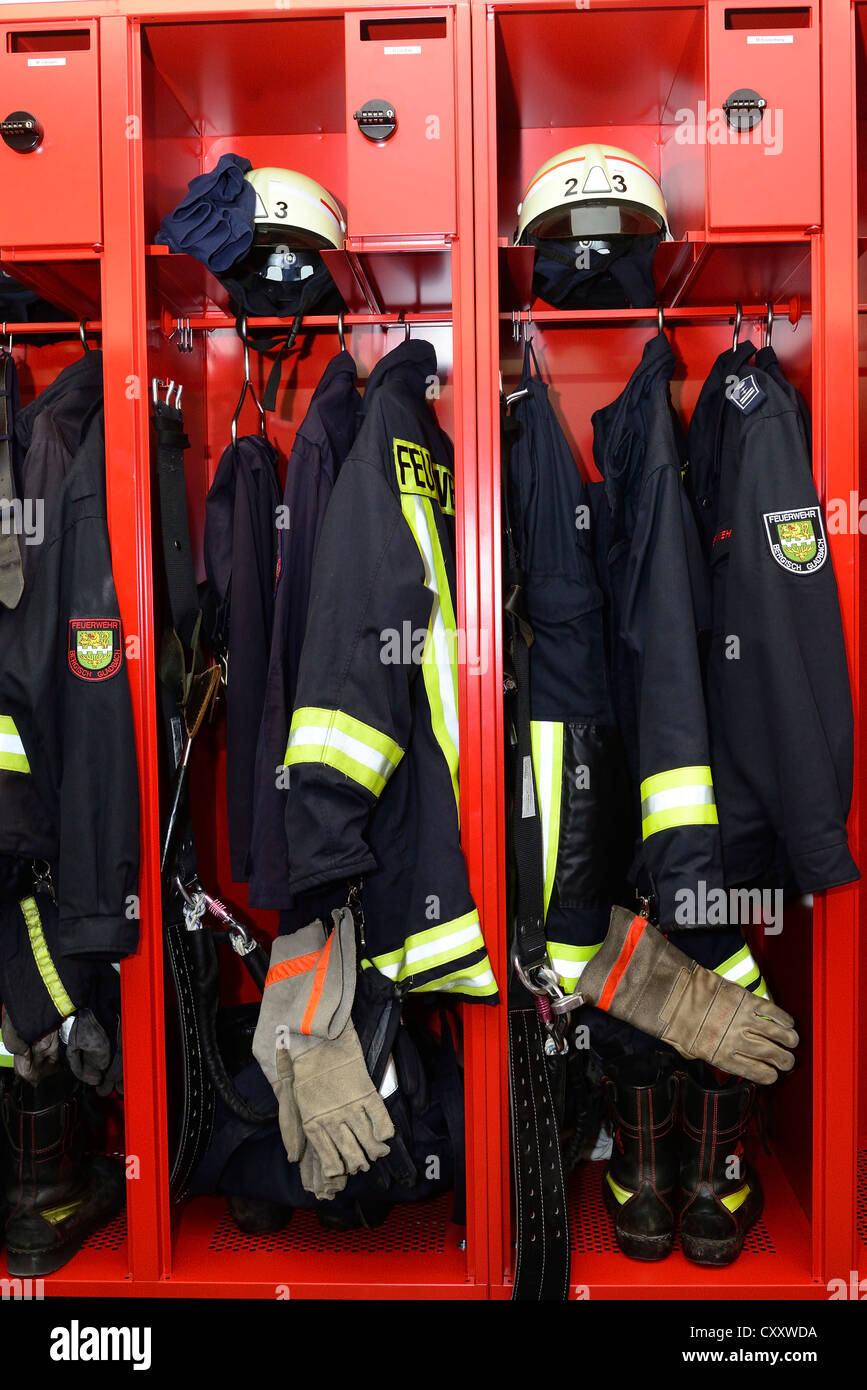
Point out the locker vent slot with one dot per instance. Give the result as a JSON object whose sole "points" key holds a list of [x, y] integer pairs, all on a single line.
{"points": [[768, 19], [862, 1195], [417, 1227], [590, 1225], [401, 30], [49, 41]]}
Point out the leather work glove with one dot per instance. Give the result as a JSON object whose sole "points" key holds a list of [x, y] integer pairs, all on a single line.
{"points": [[640, 977], [34, 1062], [325, 1090], [295, 1142], [343, 1115]]}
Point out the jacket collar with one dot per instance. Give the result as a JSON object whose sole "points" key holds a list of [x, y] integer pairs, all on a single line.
{"points": [[409, 366], [624, 416], [85, 374]]}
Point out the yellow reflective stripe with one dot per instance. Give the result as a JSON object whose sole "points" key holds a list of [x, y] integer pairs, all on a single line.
{"points": [[480, 982], [570, 962], [353, 728], [677, 777], [732, 962], [341, 762], [681, 815], [736, 1199], [12, 755], [346, 744], [439, 662], [741, 969], [681, 796], [424, 950], [547, 746], [621, 1193], [44, 964]]}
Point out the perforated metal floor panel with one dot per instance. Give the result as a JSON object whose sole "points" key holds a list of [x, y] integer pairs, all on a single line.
{"points": [[861, 1216], [590, 1225], [411, 1227], [111, 1237]]}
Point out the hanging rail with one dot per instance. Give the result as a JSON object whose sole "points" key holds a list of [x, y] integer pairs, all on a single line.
{"points": [[698, 313], [438, 318], [23, 330]]}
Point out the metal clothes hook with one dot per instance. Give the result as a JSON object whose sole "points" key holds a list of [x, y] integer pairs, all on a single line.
{"points": [[340, 338], [528, 325], [248, 386], [82, 335], [8, 336], [516, 332], [739, 313], [406, 332], [660, 322], [769, 327]]}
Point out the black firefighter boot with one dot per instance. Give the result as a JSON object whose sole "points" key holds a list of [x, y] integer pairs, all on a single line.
{"points": [[721, 1197], [639, 1183], [57, 1197]]}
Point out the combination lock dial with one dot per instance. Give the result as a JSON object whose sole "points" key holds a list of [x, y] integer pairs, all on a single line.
{"points": [[21, 131], [744, 108], [376, 119]]}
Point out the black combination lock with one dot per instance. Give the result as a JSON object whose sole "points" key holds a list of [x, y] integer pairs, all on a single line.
{"points": [[21, 131], [376, 119], [744, 108]]}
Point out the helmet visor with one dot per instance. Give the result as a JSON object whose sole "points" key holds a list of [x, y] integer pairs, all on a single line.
{"points": [[597, 219]]}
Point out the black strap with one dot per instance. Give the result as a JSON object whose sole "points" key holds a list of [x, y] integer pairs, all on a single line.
{"points": [[177, 551], [526, 821], [11, 574], [543, 1249], [543, 1257], [198, 1095]]}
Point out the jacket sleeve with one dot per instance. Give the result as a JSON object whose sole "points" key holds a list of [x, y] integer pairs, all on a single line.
{"points": [[787, 703], [352, 716], [72, 706], [665, 605]]}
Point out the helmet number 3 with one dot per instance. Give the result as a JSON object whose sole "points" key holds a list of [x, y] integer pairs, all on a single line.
{"points": [[281, 209]]}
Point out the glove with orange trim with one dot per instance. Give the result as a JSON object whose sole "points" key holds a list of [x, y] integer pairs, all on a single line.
{"points": [[332, 1119], [640, 977]]}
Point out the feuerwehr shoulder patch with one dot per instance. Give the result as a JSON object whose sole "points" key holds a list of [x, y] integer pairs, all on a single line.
{"points": [[797, 539], [95, 648]]}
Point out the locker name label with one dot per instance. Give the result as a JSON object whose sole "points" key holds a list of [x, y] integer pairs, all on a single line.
{"points": [[46, 62], [771, 38], [396, 50], [419, 475]]}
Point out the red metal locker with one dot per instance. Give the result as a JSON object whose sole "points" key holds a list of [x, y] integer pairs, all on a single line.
{"points": [[526, 113], [767, 175], [49, 81]]}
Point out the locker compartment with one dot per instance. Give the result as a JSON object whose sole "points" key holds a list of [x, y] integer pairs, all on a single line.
{"points": [[49, 74], [533, 111], [44, 344], [587, 367], [207, 1245], [403, 185], [767, 176], [188, 120]]}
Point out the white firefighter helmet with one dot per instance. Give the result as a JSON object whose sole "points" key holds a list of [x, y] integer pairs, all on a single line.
{"points": [[592, 191], [294, 209]]}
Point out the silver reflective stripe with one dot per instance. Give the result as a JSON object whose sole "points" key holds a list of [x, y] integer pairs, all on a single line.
{"points": [[674, 797], [305, 735]]}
